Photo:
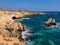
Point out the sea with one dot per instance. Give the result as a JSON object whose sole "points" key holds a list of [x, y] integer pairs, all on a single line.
{"points": [[40, 34]]}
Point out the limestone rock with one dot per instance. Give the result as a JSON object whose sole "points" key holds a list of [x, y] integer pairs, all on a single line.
{"points": [[10, 30], [50, 22]]}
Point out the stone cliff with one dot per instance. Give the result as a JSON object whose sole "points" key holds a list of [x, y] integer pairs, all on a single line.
{"points": [[18, 13], [10, 31]]}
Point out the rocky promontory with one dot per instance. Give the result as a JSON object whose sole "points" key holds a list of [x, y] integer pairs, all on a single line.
{"points": [[10, 31], [18, 13]]}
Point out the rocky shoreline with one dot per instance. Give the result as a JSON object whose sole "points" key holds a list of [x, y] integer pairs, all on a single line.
{"points": [[10, 31], [18, 13]]}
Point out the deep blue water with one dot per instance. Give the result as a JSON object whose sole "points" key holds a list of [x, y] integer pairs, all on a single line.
{"points": [[42, 35]]}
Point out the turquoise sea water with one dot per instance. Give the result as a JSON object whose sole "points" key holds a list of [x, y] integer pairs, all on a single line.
{"points": [[42, 35]]}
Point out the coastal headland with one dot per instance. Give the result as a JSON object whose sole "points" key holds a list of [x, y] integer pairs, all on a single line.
{"points": [[10, 31], [18, 12]]}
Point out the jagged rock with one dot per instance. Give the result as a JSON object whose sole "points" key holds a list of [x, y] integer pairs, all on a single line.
{"points": [[50, 22], [10, 41], [15, 29], [10, 31]]}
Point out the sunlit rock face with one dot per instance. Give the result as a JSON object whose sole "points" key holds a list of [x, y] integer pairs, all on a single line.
{"points": [[7, 23], [50, 22], [18, 13], [10, 30]]}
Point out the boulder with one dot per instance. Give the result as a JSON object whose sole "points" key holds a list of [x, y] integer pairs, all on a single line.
{"points": [[50, 22]]}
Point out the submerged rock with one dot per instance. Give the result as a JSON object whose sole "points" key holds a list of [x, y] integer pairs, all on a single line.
{"points": [[50, 22]]}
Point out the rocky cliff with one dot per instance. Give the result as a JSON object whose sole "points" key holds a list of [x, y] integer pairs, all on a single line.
{"points": [[18, 13], [10, 31]]}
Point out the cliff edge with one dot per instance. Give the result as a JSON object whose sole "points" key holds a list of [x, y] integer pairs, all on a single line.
{"points": [[10, 31]]}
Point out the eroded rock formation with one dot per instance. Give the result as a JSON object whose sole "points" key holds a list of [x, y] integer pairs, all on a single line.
{"points": [[50, 22], [10, 31]]}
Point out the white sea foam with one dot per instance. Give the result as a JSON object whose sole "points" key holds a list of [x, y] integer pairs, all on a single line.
{"points": [[26, 32], [26, 18], [18, 20], [57, 26]]}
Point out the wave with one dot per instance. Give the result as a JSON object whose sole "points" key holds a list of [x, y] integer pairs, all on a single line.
{"points": [[57, 26], [26, 18], [18, 20]]}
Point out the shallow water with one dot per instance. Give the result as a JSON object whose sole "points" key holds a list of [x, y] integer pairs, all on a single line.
{"points": [[42, 35]]}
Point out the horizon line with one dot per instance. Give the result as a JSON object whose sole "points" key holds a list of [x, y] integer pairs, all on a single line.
{"points": [[31, 10]]}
